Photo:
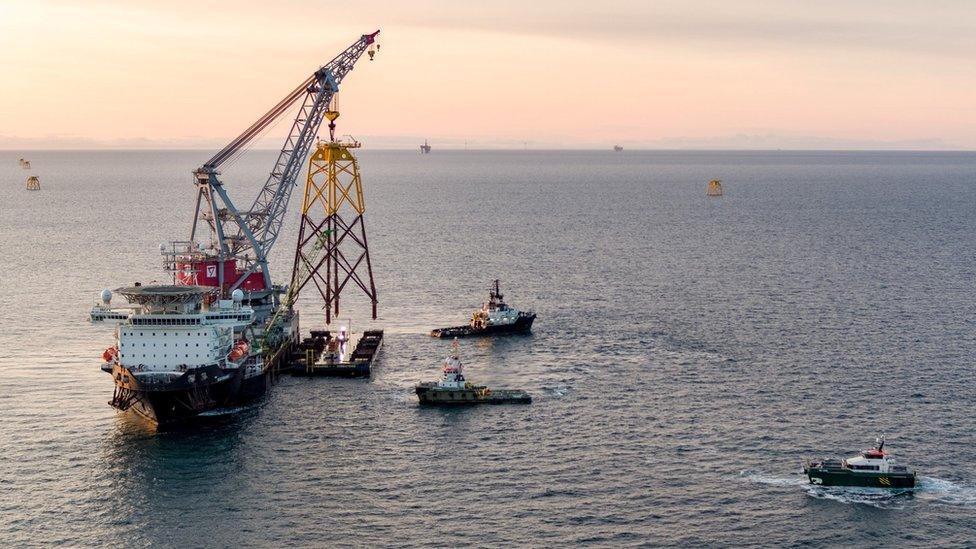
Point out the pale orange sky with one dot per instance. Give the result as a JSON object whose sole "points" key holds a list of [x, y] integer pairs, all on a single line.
{"points": [[555, 74]]}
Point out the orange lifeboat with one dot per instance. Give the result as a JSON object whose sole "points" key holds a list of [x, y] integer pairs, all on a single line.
{"points": [[239, 351], [110, 354]]}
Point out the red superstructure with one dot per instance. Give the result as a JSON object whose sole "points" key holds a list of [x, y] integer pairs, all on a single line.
{"points": [[192, 266], [206, 272]]}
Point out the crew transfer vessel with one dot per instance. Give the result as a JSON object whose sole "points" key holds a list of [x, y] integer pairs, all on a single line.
{"points": [[874, 468]]}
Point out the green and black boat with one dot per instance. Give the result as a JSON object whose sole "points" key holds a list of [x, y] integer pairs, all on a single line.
{"points": [[453, 389], [874, 468]]}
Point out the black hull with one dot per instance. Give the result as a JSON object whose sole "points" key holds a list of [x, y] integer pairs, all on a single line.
{"points": [[521, 326], [835, 477], [182, 401], [203, 393]]}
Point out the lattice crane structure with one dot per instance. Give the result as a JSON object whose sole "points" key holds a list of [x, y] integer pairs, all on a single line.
{"points": [[240, 240]]}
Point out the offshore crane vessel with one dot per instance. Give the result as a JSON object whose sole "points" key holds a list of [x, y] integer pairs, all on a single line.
{"points": [[210, 340]]}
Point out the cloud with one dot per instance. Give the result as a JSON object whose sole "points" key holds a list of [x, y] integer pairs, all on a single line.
{"points": [[903, 27]]}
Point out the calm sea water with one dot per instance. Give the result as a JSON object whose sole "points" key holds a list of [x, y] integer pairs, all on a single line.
{"points": [[689, 353]]}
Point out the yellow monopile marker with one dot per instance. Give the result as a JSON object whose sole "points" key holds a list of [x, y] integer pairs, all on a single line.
{"points": [[715, 188]]}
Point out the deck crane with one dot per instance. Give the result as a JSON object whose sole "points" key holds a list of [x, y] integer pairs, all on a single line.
{"points": [[240, 241]]}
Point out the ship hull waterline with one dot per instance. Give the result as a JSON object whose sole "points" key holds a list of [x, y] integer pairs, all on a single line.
{"points": [[522, 325], [182, 402], [821, 477], [469, 397], [183, 407]]}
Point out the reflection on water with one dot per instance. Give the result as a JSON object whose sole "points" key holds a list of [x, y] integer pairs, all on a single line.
{"points": [[154, 478], [679, 342]]}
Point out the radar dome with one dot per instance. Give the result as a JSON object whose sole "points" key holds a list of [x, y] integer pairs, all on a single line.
{"points": [[106, 296], [237, 295], [162, 247]]}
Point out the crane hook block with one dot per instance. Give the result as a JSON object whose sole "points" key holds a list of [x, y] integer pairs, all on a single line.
{"points": [[332, 115]]}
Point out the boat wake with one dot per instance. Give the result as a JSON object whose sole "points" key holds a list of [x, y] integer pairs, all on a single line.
{"points": [[928, 489], [946, 492], [229, 411], [882, 498], [760, 478], [556, 391]]}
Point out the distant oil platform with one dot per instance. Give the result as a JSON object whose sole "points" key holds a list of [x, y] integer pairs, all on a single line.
{"points": [[715, 188], [425, 148], [618, 148], [24, 163]]}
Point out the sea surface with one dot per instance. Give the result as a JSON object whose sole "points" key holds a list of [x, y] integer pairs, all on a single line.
{"points": [[689, 354]]}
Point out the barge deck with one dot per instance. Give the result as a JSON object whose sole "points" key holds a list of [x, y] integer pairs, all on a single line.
{"points": [[323, 354]]}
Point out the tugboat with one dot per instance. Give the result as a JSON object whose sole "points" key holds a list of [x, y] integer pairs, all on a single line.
{"points": [[453, 389], [494, 317], [874, 468]]}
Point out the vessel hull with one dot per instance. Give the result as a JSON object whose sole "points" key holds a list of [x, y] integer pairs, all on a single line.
{"points": [[346, 369], [431, 396], [179, 403], [187, 400], [522, 325], [828, 477]]}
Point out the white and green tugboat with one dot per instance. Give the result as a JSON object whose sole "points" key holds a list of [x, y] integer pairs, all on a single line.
{"points": [[874, 468], [454, 389]]}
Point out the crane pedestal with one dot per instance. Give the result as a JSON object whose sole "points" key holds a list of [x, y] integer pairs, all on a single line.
{"points": [[332, 249]]}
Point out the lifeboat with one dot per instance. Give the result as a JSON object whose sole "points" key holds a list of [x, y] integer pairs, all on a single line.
{"points": [[111, 354], [239, 351]]}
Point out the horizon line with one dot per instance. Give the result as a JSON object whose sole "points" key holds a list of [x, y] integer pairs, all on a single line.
{"points": [[518, 149]]}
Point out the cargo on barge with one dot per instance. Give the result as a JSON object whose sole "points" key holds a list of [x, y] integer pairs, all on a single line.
{"points": [[339, 355]]}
